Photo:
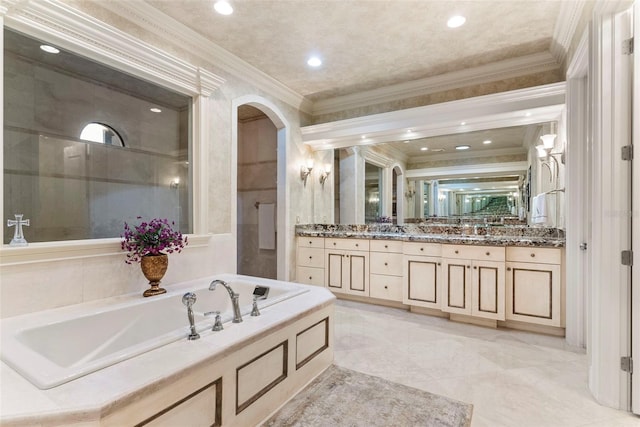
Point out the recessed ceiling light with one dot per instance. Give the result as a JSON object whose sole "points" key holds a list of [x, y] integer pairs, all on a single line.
{"points": [[406, 142], [223, 7], [424, 149], [527, 114], [486, 141], [155, 110], [462, 147], [363, 136], [49, 49], [314, 61], [409, 130], [463, 123], [456, 21]]}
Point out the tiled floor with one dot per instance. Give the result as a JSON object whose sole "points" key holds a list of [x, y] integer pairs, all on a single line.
{"points": [[512, 378]]}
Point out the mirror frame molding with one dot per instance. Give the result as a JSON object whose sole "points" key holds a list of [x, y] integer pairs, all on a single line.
{"points": [[513, 108]]}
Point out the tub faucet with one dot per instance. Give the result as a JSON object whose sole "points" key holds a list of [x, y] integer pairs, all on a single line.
{"points": [[189, 299], [237, 317]]}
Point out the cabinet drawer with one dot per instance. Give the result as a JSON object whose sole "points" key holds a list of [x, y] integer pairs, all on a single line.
{"points": [[484, 253], [385, 246], [347, 244], [311, 242], [310, 257], [419, 248], [385, 287], [310, 276], [537, 255], [384, 263]]}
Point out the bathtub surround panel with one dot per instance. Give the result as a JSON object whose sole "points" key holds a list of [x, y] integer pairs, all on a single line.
{"points": [[135, 390], [340, 396]]}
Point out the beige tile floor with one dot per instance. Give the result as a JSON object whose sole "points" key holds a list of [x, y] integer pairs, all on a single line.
{"points": [[512, 378]]}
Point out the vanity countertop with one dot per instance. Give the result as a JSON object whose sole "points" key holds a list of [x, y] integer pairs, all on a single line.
{"points": [[484, 235]]}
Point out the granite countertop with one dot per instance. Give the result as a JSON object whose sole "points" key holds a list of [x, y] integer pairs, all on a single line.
{"points": [[447, 234]]}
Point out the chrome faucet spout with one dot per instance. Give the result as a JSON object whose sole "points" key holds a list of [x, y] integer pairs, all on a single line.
{"points": [[237, 316]]}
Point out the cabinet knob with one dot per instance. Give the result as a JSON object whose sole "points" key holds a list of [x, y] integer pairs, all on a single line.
{"points": [[488, 253], [475, 267], [386, 287], [386, 263], [439, 263], [468, 266], [533, 255], [456, 251], [508, 268], [356, 245], [386, 246], [334, 243], [310, 278], [310, 257], [310, 242], [422, 249]]}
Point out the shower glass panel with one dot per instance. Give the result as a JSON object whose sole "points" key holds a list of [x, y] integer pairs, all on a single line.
{"points": [[73, 188]]}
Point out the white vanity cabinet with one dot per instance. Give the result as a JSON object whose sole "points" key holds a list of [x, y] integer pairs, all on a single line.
{"points": [[385, 266], [347, 265], [310, 261], [534, 285], [422, 273], [474, 281]]}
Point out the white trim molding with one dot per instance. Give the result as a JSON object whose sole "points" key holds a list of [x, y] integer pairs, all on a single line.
{"points": [[89, 37], [519, 107], [493, 169], [501, 70], [565, 28]]}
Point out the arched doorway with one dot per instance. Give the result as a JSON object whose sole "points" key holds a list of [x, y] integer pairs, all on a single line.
{"points": [[259, 199]]}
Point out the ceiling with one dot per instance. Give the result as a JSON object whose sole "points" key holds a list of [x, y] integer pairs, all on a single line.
{"points": [[368, 44]]}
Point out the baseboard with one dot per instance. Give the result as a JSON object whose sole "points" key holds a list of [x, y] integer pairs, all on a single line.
{"points": [[530, 327]]}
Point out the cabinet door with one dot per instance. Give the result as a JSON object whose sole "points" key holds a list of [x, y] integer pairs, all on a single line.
{"points": [[422, 281], [456, 286], [487, 291], [534, 293], [335, 270], [357, 279]]}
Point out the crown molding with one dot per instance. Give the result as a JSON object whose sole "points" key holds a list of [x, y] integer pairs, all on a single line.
{"points": [[76, 31], [477, 155], [516, 67], [167, 28], [565, 28], [493, 169], [514, 108]]}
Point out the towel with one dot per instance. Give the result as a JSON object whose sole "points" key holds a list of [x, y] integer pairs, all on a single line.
{"points": [[543, 209], [267, 226], [539, 209]]}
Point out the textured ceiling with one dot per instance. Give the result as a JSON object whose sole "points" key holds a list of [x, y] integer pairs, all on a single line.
{"points": [[366, 44]]}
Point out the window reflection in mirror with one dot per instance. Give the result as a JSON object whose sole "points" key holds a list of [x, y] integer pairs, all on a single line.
{"points": [[372, 191], [87, 147]]}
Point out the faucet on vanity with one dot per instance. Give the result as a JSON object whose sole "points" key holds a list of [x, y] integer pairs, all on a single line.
{"points": [[237, 317]]}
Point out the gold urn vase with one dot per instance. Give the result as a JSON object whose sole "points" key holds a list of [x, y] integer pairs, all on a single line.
{"points": [[154, 267]]}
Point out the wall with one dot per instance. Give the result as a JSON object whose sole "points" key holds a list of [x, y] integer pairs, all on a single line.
{"points": [[257, 170]]}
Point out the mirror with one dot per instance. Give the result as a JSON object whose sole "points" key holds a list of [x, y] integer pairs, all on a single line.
{"points": [[372, 191]]}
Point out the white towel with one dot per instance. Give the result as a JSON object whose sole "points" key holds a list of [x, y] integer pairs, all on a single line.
{"points": [[539, 209], [267, 226]]}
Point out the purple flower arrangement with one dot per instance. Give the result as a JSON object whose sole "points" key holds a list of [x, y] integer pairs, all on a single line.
{"points": [[155, 237]]}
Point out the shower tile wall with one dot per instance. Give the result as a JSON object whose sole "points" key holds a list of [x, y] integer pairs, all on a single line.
{"points": [[257, 173]]}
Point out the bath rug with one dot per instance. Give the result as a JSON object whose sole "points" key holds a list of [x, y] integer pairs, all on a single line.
{"points": [[342, 397]]}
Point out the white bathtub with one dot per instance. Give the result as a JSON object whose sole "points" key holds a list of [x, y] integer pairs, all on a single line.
{"points": [[56, 346]]}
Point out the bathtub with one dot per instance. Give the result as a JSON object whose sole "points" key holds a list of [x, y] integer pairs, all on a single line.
{"points": [[57, 346]]}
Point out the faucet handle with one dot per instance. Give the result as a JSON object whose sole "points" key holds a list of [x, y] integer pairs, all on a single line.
{"points": [[217, 325], [255, 311]]}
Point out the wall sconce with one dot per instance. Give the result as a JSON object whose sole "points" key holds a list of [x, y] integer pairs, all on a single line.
{"points": [[175, 183], [305, 170], [325, 173], [410, 193]]}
